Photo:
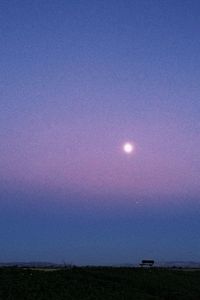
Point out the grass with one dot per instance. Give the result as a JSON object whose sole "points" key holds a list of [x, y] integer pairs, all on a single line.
{"points": [[99, 283]]}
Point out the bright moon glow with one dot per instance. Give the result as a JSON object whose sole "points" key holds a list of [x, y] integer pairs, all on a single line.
{"points": [[128, 148]]}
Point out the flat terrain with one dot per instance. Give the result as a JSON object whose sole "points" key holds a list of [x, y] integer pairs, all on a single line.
{"points": [[99, 283]]}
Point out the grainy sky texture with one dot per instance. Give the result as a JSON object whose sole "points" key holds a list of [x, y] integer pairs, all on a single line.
{"points": [[78, 79]]}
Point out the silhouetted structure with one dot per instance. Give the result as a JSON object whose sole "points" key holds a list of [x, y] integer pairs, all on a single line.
{"points": [[147, 263]]}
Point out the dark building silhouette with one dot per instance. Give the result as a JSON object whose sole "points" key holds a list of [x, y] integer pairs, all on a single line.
{"points": [[147, 263]]}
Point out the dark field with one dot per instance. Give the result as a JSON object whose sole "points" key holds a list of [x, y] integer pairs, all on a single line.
{"points": [[98, 283]]}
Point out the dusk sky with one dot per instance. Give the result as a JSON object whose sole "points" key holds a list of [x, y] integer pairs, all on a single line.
{"points": [[78, 79]]}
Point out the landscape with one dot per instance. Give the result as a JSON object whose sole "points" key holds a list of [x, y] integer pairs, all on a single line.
{"points": [[99, 283], [99, 149]]}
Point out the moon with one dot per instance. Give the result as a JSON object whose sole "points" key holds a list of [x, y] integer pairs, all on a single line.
{"points": [[128, 148]]}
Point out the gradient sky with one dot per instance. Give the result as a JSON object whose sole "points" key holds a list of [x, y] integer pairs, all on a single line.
{"points": [[77, 80]]}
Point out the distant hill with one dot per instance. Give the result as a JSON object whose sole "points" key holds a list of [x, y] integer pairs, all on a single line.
{"points": [[166, 264], [182, 264], [34, 264], [40, 264]]}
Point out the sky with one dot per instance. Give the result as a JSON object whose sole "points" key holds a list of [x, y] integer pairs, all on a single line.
{"points": [[78, 79]]}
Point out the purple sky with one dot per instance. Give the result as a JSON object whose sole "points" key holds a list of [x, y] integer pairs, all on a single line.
{"points": [[77, 80]]}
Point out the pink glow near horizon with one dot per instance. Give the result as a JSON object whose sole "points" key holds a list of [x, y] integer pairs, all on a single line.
{"points": [[59, 156]]}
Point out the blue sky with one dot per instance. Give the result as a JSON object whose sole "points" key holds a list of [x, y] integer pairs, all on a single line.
{"points": [[78, 79]]}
